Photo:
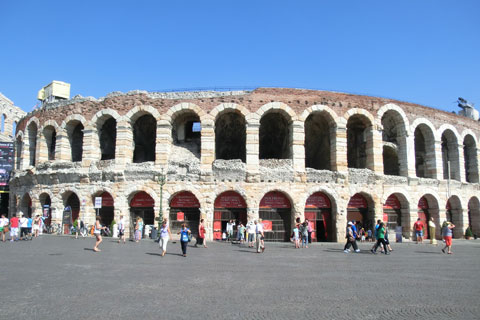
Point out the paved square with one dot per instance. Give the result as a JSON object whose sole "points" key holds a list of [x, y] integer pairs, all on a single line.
{"points": [[62, 278]]}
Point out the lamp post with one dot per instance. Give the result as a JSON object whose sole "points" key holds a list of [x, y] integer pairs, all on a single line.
{"points": [[161, 179]]}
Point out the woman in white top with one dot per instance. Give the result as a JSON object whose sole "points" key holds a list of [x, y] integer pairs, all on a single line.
{"points": [[165, 235], [36, 225], [97, 232], [121, 229]]}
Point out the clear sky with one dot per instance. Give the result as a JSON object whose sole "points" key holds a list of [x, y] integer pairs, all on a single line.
{"points": [[426, 52]]}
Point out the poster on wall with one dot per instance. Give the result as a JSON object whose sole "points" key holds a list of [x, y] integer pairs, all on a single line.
{"points": [[6, 163]]}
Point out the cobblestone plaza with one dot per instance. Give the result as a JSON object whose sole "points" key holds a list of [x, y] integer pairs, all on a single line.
{"points": [[62, 278]]}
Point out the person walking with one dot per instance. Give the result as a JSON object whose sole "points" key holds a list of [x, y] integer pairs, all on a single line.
{"points": [[309, 230], [76, 227], [260, 236], [97, 232], [387, 242], [241, 233], [418, 227], [351, 240], [3, 226], [13, 228], [165, 235], [36, 225], [295, 236], [184, 238], [201, 234], [121, 229], [230, 225], [23, 227], [251, 234], [380, 239], [447, 233], [304, 234], [138, 229]]}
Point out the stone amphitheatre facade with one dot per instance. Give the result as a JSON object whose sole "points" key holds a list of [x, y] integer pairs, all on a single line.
{"points": [[275, 154]]}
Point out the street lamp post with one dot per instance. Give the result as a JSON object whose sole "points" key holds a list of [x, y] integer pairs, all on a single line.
{"points": [[161, 178]]}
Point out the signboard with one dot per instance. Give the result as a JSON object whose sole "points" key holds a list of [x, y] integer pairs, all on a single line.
{"points": [[184, 199], [142, 200], [267, 225], [46, 209], [422, 203], [317, 200], [230, 199], [67, 215], [180, 216], [357, 201], [6, 163], [392, 203], [274, 199], [98, 203]]}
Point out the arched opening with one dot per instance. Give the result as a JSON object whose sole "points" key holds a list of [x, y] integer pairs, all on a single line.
{"points": [[51, 140], [275, 136], [18, 152], [450, 156], [228, 206], [425, 165], [144, 138], [427, 209], [186, 133], [75, 137], [142, 205], [276, 212], [390, 159], [359, 210], [26, 206], [107, 135], [474, 215], [454, 213], [396, 216], [471, 161], [32, 141], [359, 143], [318, 211], [318, 137], [71, 212], [46, 204], [184, 208], [394, 144], [230, 136], [106, 212]]}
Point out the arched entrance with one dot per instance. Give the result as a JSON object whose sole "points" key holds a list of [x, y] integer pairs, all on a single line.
{"points": [[141, 205], [72, 204], [474, 215], [228, 206], [357, 209], [424, 215], [46, 204], [184, 208], [454, 214], [392, 214], [107, 209], [318, 211], [275, 211], [26, 206]]}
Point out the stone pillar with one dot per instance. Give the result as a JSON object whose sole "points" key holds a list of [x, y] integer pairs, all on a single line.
{"points": [[91, 146], [253, 162], [435, 170], [207, 155], [164, 142], [461, 164], [403, 156], [62, 146], [410, 149], [339, 150], [42, 149], [375, 150], [124, 144], [298, 149]]}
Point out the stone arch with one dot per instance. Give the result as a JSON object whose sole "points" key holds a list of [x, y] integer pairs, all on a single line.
{"points": [[132, 190], [403, 213], [71, 197], [449, 140], [424, 146], [106, 122], [359, 139], [320, 137], [433, 211], [32, 137], [276, 131], [186, 125], [74, 126], [225, 107], [25, 205], [49, 139], [470, 157], [394, 136], [139, 111], [144, 133], [355, 212], [393, 107], [325, 220], [230, 132], [282, 218], [181, 108], [454, 213]]}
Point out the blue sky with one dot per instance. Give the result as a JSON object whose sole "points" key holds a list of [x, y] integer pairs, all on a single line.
{"points": [[426, 52]]}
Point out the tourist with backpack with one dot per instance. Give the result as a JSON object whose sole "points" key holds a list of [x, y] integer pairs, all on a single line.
{"points": [[184, 238], [380, 239], [304, 234], [351, 240]]}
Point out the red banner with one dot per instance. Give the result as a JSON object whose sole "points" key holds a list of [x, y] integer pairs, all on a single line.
{"points": [[180, 216], [267, 225], [275, 199], [357, 201], [107, 200], [448, 207], [184, 199], [423, 203], [317, 200], [392, 203], [230, 199], [142, 200]]}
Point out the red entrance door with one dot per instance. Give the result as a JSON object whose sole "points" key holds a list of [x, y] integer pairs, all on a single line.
{"points": [[318, 213], [228, 206]]}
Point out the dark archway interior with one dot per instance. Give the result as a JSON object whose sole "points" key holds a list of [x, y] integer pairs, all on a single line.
{"points": [[317, 142], [51, 140], [144, 137], [275, 137], [471, 163], [391, 164], [32, 139], [420, 154], [108, 137], [390, 160], [356, 143], [74, 203], [76, 142], [450, 154], [230, 137], [186, 132]]}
